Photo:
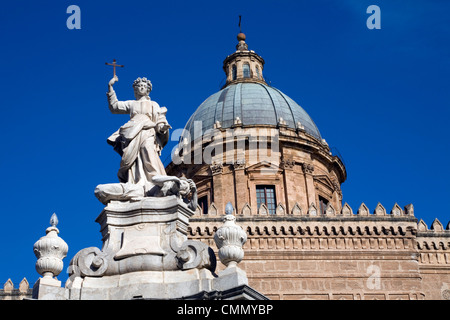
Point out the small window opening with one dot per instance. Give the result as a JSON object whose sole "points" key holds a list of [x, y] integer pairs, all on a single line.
{"points": [[323, 203], [246, 70], [266, 195], [203, 203]]}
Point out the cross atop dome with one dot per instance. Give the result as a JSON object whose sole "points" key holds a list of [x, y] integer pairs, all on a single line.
{"points": [[241, 46]]}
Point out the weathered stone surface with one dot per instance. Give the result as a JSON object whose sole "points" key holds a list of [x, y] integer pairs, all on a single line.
{"points": [[342, 257]]}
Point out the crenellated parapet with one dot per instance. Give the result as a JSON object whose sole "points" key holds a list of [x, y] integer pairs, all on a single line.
{"points": [[314, 211], [433, 244], [312, 229], [9, 292], [347, 229]]}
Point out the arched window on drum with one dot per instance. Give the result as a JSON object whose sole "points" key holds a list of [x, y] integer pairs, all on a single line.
{"points": [[246, 70], [258, 75]]}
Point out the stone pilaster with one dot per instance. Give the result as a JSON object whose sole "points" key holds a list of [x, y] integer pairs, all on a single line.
{"points": [[289, 183], [308, 170], [218, 185], [240, 185]]}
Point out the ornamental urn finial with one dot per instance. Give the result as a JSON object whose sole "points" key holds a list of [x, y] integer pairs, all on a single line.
{"points": [[50, 251], [230, 238]]}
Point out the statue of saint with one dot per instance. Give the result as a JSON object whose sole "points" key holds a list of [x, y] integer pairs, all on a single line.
{"points": [[139, 142]]}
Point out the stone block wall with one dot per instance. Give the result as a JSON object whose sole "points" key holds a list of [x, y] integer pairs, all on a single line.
{"points": [[433, 247], [341, 255]]}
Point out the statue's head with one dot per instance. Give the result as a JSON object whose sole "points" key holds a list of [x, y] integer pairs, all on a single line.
{"points": [[142, 87]]}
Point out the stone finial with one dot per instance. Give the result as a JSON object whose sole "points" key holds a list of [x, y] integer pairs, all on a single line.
{"points": [[263, 210], [217, 125], [379, 210], [363, 210], [229, 208], [437, 226], [241, 46], [230, 238], [409, 210], [347, 210], [312, 210], [212, 210], [24, 286], [282, 122], [280, 210], [396, 210], [422, 226], [54, 220], [246, 210], [50, 251], [8, 286], [296, 210], [330, 211]]}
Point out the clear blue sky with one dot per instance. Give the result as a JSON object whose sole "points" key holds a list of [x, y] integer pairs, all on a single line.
{"points": [[380, 97]]}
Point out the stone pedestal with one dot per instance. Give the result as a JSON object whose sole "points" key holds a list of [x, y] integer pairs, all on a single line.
{"points": [[48, 289], [146, 235], [144, 285], [146, 255], [231, 277]]}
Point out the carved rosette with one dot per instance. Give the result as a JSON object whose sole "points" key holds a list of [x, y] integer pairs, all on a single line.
{"points": [[308, 168], [216, 168], [229, 239], [50, 251], [239, 164], [287, 163]]}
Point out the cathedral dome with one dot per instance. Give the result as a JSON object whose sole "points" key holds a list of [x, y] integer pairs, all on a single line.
{"points": [[251, 104], [250, 144]]}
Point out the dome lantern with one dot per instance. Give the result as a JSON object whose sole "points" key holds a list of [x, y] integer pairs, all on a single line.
{"points": [[243, 65]]}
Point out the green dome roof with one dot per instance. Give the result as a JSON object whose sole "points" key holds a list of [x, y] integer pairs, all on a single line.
{"points": [[255, 104]]}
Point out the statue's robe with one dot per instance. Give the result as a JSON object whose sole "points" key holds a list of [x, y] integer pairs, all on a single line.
{"points": [[138, 141]]}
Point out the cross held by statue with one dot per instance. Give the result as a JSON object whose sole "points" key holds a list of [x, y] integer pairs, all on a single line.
{"points": [[114, 64]]}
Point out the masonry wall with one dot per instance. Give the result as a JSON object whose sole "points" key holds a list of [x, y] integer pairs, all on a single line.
{"points": [[434, 259], [339, 256]]}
